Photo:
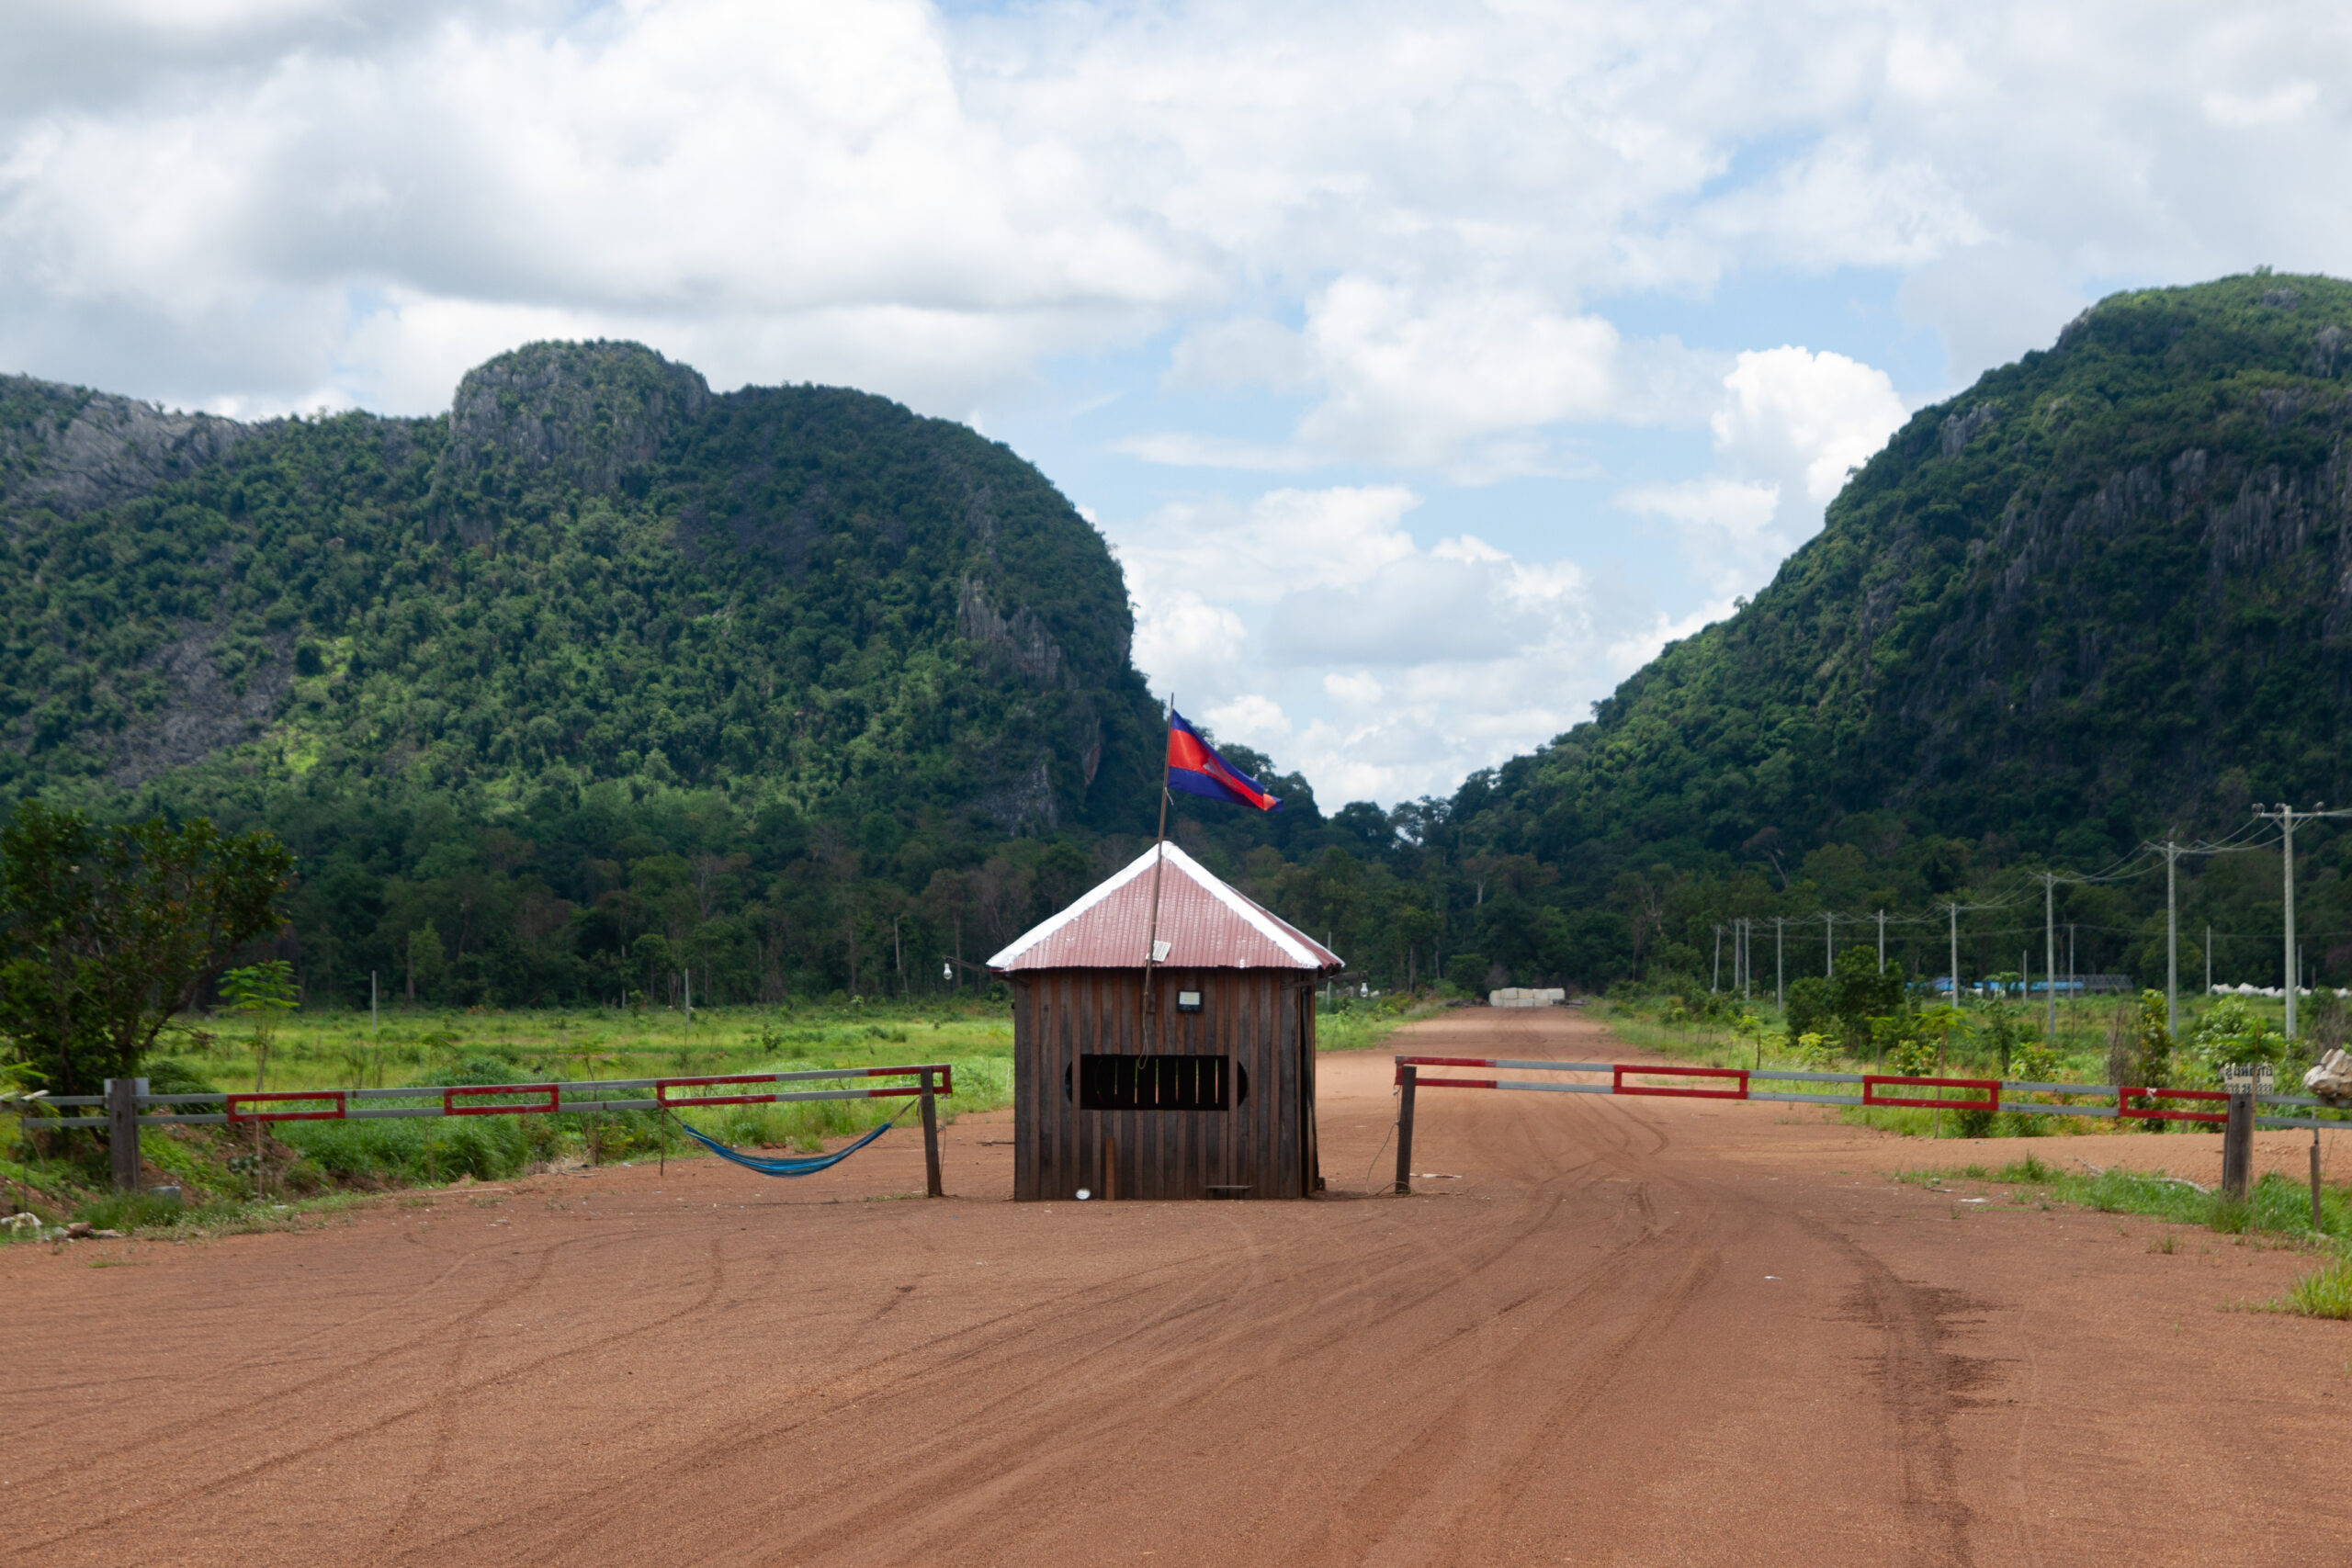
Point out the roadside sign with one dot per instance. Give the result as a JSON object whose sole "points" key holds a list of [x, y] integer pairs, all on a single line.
{"points": [[2249, 1077]]}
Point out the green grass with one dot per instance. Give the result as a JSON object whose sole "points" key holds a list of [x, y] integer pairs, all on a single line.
{"points": [[151, 1218], [306, 1162], [1359, 1025], [2325, 1293], [320, 1049], [2277, 1207]]}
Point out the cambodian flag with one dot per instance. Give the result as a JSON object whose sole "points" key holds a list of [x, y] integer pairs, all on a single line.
{"points": [[1196, 770]]}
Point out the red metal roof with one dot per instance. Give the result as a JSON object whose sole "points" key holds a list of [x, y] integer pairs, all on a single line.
{"points": [[1203, 924]]}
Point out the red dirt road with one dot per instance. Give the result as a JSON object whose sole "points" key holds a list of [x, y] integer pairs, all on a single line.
{"points": [[1619, 1332]]}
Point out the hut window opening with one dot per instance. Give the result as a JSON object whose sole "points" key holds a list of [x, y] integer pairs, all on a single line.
{"points": [[1154, 1083]]}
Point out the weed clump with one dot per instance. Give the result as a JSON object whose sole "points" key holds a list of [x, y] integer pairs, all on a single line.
{"points": [[2326, 1293]]}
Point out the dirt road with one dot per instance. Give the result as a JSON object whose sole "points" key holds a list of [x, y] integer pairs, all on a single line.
{"points": [[1612, 1332]]}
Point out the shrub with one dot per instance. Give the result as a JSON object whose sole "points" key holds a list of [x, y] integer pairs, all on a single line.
{"points": [[1912, 1058], [167, 1075], [1816, 1053], [2232, 1031], [1973, 1123], [1812, 1008]]}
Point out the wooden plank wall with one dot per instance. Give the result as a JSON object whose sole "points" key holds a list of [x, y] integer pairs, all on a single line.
{"points": [[1262, 1019]]}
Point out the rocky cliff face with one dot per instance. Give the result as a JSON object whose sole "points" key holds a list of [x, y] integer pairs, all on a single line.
{"points": [[71, 449], [584, 411]]}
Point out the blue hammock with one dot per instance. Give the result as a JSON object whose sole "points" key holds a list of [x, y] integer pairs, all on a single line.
{"points": [[803, 1165]]}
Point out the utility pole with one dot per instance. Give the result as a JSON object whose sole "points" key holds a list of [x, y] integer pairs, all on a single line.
{"points": [[2172, 943], [1882, 942], [1716, 984], [1830, 944], [2049, 880], [1779, 960], [2208, 958], [1954, 910], [2286, 817]]}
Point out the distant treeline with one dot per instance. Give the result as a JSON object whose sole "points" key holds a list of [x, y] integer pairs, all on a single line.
{"points": [[581, 895]]}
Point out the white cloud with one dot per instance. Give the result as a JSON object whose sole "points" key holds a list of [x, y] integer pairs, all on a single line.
{"points": [[1310, 624], [1285, 540], [2278, 106], [1788, 427], [1805, 418], [1253, 718], [1426, 245], [1439, 199]]}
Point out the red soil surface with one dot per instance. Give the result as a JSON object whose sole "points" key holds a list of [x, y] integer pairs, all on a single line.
{"points": [[1608, 1331]]}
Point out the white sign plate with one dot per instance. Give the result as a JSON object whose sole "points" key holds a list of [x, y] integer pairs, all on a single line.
{"points": [[2249, 1077]]}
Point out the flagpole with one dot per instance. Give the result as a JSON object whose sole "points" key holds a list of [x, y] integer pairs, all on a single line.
{"points": [[1160, 861]]}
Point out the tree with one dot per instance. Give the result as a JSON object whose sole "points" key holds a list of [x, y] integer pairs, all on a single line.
{"points": [[108, 932], [260, 991]]}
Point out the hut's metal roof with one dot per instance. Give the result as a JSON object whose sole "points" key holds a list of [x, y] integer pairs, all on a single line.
{"points": [[1203, 923]]}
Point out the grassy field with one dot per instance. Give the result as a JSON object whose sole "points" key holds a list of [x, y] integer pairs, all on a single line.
{"points": [[233, 1181], [318, 1050]]}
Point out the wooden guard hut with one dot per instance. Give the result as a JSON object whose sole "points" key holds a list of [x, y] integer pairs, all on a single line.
{"points": [[1193, 1077]]}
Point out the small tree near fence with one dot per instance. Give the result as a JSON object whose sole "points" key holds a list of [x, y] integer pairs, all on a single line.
{"points": [[260, 993], [107, 933]]}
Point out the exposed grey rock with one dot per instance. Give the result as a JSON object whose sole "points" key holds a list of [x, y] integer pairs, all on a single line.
{"points": [[1022, 640], [73, 449], [208, 711], [1959, 430], [589, 411], [1026, 801]]}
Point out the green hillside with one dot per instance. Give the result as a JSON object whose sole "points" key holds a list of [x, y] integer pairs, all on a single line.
{"points": [[2105, 593], [602, 678], [592, 565], [597, 658]]}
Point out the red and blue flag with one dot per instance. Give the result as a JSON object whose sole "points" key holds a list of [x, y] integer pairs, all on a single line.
{"points": [[1194, 767]]}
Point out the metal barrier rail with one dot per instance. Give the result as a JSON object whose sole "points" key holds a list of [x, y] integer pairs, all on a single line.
{"points": [[125, 1097], [2132, 1102]]}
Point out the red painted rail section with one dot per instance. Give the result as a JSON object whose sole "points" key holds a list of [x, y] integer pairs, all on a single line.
{"points": [[232, 1106], [1617, 1084], [2124, 1102], [1988, 1092]]}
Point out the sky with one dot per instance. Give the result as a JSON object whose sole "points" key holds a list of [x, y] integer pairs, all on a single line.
{"points": [[1428, 366]]}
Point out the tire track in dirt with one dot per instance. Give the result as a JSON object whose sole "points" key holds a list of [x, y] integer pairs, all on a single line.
{"points": [[1918, 1381], [345, 1372], [1085, 1432], [430, 1403]]}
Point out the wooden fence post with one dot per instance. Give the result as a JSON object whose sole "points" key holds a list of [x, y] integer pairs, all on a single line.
{"points": [[123, 1131], [2237, 1149], [1405, 1130], [2317, 1229], [932, 1186]]}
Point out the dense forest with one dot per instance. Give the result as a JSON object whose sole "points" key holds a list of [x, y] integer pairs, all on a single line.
{"points": [[599, 684], [604, 684]]}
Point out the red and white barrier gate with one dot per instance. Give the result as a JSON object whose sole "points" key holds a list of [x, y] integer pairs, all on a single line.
{"points": [[2131, 1102]]}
